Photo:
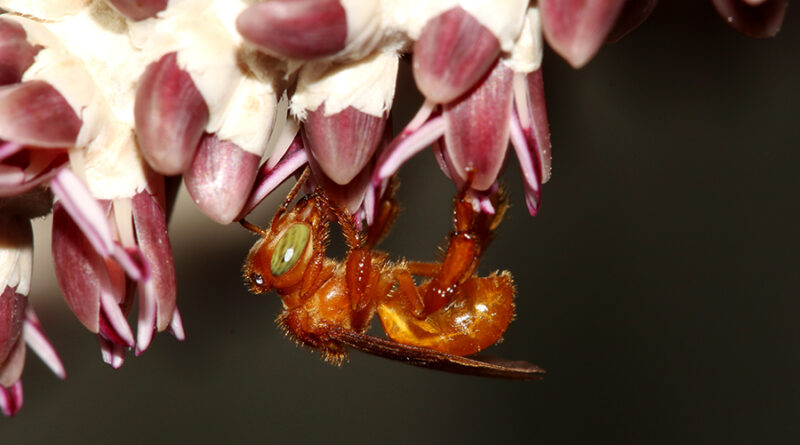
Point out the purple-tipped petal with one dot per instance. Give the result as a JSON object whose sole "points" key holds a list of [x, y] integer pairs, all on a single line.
{"points": [[12, 316], [451, 55], [139, 9], [526, 155], [752, 18], [151, 232], [170, 115], [633, 14], [80, 270], [38, 341], [220, 178], [35, 113], [268, 179], [406, 147], [576, 29], [11, 399], [16, 53], [295, 29], [532, 116], [11, 369], [477, 129], [342, 143], [90, 217], [113, 322]]}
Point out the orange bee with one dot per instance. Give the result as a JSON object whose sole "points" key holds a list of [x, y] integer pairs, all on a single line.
{"points": [[328, 304]]}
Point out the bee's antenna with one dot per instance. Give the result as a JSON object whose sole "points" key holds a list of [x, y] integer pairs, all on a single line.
{"points": [[296, 189]]}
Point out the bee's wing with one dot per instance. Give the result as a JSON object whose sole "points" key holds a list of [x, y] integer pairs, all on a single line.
{"points": [[428, 358]]}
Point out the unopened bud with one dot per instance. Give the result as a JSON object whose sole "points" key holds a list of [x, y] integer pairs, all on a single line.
{"points": [[451, 54], [343, 142], [477, 129], [220, 177], [295, 29], [576, 29], [170, 115]]}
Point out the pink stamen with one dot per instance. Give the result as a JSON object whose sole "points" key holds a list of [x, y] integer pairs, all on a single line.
{"points": [[40, 344], [420, 118], [269, 179], [403, 149]]}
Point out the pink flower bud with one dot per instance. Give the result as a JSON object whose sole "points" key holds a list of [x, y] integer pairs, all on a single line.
{"points": [[295, 29], [576, 29], [476, 134], [139, 9], [451, 54], [220, 178], [170, 115], [343, 142]]}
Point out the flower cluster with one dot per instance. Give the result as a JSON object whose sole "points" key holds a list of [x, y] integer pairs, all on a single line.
{"points": [[102, 101]]}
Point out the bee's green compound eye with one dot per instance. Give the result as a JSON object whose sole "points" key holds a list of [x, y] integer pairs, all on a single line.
{"points": [[289, 248]]}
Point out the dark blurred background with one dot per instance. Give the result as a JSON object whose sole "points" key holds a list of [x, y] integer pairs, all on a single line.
{"points": [[658, 286]]}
